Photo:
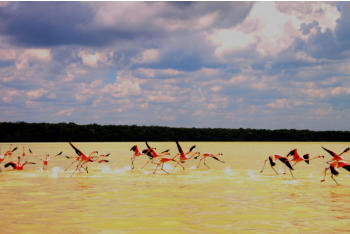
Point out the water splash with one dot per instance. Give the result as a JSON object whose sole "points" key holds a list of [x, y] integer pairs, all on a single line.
{"points": [[292, 182], [122, 170], [252, 175], [228, 171], [168, 167], [106, 170], [55, 171]]}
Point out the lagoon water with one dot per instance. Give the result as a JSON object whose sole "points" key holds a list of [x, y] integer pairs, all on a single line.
{"points": [[227, 198]]}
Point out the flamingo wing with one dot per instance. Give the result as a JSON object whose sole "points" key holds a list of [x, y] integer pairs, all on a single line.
{"points": [[346, 150], [333, 170], [272, 163], [330, 152], [77, 151], [306, 157], [12, 164], [347, 167], [214, 157], [286, 162], [292, 153], [194, 146], [179, 148]]}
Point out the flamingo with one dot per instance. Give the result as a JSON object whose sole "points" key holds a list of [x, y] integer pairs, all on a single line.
{"points": [[10, 151], [18, 165], [333, 162], [206, 155], [150, 152], [296, 158], [135, 154], [184, 156], [283, 159], [46, 159], [82, 158], [333, 168]]}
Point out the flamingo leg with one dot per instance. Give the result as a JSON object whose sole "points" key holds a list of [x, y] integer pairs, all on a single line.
{"points": [[199, 162], [163, 169], [325, 173], [274, 170], [262, 169], [132, 162], [205, 163], [146, 163], [291, 174], [154, 172], [334, 179], [183, 168], [69, 166], [77, 168]]}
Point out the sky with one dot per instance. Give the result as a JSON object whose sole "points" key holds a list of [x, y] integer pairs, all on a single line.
{"points": [[265, 65]]}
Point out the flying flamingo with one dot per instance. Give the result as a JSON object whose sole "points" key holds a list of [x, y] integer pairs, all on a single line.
{"points": [[135, 154], [184, 156], [284, 160], [151, 153], [10, 151], [333, 168], [46, 159], [333, 162], [206, 155], [296, 158], [18, 165], [82, 159]]}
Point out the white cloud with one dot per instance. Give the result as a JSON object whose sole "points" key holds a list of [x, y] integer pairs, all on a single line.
{"points": [[93, 59], [279, 104], [148, 56], [65, 112], [9, 95], [36, 55], [148, 72], [7, 54], [125, 85], [38, 93], [272, 28]]}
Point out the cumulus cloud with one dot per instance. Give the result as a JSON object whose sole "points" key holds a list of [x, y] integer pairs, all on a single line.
{"points": [[35, 55], [274, 27], [208, 64]]}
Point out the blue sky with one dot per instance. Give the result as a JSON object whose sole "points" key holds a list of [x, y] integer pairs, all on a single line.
{"points": [[182, 64]]}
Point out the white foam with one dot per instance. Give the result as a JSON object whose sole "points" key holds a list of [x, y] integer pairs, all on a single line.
{"points": [[55, 171], [192, 168], [106, 169], [122, 170], [228, 171], [168, 167], [292, 182], [252, 175]]}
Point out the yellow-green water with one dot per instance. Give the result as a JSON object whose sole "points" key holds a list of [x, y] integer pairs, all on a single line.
{"points": [[227, 198]]}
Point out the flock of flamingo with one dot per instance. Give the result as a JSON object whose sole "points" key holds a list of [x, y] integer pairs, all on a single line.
{"points": [[333, 164], [82, 160]]}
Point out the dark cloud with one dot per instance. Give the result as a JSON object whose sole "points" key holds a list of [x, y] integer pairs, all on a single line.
{"points": [[47, 24], [343, 28]]}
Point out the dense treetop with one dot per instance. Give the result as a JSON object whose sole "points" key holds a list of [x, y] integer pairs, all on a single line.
{"points": [[60, 132]]}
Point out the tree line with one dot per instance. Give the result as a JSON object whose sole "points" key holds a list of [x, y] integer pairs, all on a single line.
{"points": [[63, 132]]}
